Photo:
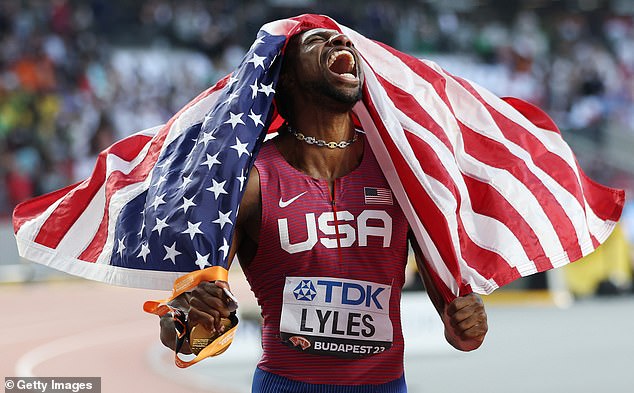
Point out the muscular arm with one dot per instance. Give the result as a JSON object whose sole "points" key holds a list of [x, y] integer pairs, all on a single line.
{"points": [[207, 303], [464, 318]]}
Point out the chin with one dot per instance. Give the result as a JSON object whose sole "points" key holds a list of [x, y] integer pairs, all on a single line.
{"points": [[342, 95]]}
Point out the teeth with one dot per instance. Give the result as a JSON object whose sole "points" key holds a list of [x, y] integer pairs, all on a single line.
{"points": [[338, 53]]}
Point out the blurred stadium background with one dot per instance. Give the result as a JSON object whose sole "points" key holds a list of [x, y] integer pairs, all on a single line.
{"points": [[77, 75]]}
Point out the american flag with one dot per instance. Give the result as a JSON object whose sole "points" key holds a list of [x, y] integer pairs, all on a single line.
{"points": [[490, 189], [377, 195]]}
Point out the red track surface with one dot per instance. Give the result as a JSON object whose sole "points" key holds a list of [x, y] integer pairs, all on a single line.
{"points": [[82, 329]]}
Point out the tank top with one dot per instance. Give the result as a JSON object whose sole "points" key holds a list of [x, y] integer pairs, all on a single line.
{"points": [[328, 274]]}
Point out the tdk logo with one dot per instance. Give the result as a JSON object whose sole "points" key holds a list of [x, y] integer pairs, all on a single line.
{"points": [[351, 293], [339, 293], [305, 290]]}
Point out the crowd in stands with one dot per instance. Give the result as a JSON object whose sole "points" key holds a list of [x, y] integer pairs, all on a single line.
{"points": [[77, 75]]}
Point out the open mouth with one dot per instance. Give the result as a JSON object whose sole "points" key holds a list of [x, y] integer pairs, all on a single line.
{"points": [[342, 63]]}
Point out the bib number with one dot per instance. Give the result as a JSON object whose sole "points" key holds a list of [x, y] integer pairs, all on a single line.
{"points": [[334, 316]]}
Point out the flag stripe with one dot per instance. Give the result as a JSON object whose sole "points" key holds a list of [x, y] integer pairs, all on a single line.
{"points": [[440, 273], [67, 213], [426, 71], [118, 180], [474, 237], [528, 270], [527, 141], [432, 218], [438, 169], [422, 69], [454, 181]]}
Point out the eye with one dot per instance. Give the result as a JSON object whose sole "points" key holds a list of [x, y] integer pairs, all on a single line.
{"points": [[315, 38]]}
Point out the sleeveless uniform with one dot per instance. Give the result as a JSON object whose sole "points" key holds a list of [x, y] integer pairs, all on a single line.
{"points": [[329, 285]]}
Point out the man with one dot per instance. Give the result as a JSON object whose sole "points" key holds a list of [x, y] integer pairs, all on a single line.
{"points": [[323, 243]]}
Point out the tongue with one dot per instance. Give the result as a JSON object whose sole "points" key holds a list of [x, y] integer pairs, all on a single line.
{"points": [[341, 65]]}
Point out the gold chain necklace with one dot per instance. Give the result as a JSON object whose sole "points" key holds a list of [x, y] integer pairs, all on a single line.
{"points": [[320, 142]]}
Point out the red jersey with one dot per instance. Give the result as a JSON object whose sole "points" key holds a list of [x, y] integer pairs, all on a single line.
{"points": [[328, 274]]}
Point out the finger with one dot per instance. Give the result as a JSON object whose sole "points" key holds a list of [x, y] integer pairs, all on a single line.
{"points": [[209, 291], [208, 318], [168, 333], [477, 331], [468, 323], [218, 289], [467, 312], [206, 303], [222, 284], [464, 301], [208, 287], [216, 312]]}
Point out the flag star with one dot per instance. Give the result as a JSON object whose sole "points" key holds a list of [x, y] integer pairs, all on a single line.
{"points": [[192, 229], [224, 249], [160, 181], [267, 89], [232, 96], [235, 119], [206, 119], [257, 61], [186, 180], [206, 137], [171, 253], [158, 201], [202, 260], [121, 246], [258, 41], [241, 179], [142, 223], [223, 219], [254, 89], [145, 250], [257, 119], [232, 79], [160, 224], [187, 203], [240, 147], [217, 188], [211, 160]]}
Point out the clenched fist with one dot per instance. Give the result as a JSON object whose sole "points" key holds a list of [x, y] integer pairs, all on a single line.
{"points": [[465, 322]]}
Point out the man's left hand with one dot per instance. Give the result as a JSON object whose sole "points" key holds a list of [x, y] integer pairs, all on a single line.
{"points": [[465, 322]]}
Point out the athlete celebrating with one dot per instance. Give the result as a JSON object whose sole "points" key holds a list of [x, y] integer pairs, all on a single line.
{"points": [[323, 243]]}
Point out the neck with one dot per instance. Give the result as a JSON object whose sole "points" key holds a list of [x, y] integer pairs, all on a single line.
{"points": [[321, 117], [322, 162]]}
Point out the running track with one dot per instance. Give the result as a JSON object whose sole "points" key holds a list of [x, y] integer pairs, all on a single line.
{"points": [[80, 328]]}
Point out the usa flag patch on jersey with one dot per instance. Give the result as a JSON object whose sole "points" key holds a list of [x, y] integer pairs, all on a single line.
{"points": [[377, 196]]}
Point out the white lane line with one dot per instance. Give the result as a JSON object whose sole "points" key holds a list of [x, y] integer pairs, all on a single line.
{"points": [[91, 338]]}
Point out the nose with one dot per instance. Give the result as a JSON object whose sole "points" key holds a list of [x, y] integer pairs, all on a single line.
{"points": [[340, 40]]}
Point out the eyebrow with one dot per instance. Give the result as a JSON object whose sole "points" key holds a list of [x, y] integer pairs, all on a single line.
{"points": [[319, 32]]}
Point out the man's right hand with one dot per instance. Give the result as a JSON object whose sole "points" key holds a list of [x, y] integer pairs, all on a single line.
{"points": [[209, 303], [205, 305]]}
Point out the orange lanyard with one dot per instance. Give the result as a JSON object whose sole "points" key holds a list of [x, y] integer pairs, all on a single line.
{"points": [[184, 284]]}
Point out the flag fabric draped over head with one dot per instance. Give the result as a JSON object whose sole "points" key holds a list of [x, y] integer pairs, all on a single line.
{"points": [[490, 189]]}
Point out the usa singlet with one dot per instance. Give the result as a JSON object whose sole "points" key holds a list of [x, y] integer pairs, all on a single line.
{"points": [[328, 274]]}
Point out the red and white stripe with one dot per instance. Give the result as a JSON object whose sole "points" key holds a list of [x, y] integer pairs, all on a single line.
{"points": [[489, 186], [75, 233]]}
